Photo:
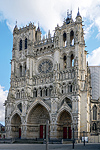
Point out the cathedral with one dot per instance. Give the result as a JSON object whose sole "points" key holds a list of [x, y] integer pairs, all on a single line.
{"points": [[51, 80]]}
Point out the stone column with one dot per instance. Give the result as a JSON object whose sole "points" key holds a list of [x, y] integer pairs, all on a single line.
{"points": [[53, 125]]}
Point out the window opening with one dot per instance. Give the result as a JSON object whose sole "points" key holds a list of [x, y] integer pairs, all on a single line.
{"points": [[95, 113], [18, 94], [41, 92], [64, 40], [25, 69], [26, 43], [20, 106], [35, 93], [71, 88], [64, 59], [20, 71], [72, 60], [71, 38], [20, 45], [46, 92], [94, 126]]}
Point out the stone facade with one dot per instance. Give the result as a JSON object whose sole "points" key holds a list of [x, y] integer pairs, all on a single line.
{"points": [[50, 80]]}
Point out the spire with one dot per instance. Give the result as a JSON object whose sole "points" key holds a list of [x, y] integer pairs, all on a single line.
{"points": [[15, 28], [78, 14], [16, 24], [38, 29], [49, 35], [69, 17]]}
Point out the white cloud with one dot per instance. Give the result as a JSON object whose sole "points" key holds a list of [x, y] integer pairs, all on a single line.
{"points": [[87, 30], [94, 57], [48, 12], [3, 97]]}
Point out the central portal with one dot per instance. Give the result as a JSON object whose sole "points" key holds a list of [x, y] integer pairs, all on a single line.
{"points": [[36, 125]]}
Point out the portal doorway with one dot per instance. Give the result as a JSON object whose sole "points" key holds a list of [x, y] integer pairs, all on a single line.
{"points": [[16, 126], [37, 122], [64, 125]]}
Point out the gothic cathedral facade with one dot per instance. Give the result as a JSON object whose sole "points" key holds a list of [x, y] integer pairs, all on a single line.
{"points": [[50, 80]]}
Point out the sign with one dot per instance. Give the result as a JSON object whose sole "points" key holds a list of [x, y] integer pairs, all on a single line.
{"points": [[86, 139]]}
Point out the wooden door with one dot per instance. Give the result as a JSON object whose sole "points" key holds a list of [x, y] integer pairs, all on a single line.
{"points": [[19, 133], [69, 132], [41, 131], [64, 132]]}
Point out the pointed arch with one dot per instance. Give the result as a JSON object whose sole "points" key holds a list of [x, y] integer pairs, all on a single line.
{"points": [[64, 121], [64, 97], [16, 125], [37, 101], [64, 108], [36, 119], [15, 118], [14, 113]]}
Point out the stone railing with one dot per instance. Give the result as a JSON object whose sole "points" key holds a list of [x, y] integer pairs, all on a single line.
{"points": [[44, 42], [43, 79], [67, 74], [18, 82]]}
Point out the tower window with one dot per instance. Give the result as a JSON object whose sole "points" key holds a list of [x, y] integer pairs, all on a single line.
{"points": [[20, 45], [20, 71], [72, 60], [64, 60], [71, 38], [64, 40], [26, 43]]}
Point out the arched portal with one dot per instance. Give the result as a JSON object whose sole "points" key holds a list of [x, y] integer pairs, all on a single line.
{"points": [[36, 123], [64, 125], [16, 126]]}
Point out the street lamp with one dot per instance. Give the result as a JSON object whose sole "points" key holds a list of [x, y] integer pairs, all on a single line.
{"points": [[47, 123], [73, 138], [84, 137]]}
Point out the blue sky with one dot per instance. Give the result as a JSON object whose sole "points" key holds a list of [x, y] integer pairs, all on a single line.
{"points": [[48, 13], [6, 41]]}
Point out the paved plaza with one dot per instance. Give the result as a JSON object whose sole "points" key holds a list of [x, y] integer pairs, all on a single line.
{"points": [[51, 147]]}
